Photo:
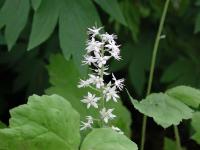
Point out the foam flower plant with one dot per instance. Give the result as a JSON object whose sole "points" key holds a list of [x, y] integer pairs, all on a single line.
{"points": [[100, 48]]}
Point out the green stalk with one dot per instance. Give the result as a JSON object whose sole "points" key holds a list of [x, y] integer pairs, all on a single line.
{"points": [[153, 60], [178, 143]]}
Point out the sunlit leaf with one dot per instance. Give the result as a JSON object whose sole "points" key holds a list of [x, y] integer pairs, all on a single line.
{"points": [[46, 122], [107, 139], [188, 95], [165, 110]]}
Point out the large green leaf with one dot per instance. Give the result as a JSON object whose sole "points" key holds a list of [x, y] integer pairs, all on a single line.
{"points": [[188, 95], [64, 78], [165, 110], [45, 122], [112, 8], [36, 4], [107, 139], [14, 16], [196, 126]]}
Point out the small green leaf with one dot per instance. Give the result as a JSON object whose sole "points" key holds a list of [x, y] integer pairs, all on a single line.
{"points": [[197, 23], [44, 21], [196, 125], [107, 139], [45, 122], [165, 110], [36, 4], [14, 13], [188, 95], [113, 9], [64, 78]]}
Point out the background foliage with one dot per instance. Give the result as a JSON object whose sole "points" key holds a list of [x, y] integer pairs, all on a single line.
{"points": [[34, 30]]}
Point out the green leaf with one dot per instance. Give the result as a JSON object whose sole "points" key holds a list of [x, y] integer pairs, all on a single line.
{"points": [[188, 95], [197, 23], [64, 78], [181, 72], [170, 144], [195, 124], [45, 122], [75, 17], [165, 110], [113, 9], [14, 13], [2, 125], [107, 139], [36, 4], [44, 21]]}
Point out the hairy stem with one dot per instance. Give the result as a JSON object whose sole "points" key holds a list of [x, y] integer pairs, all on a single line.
{"points": [[178, 142], [152, 67]]}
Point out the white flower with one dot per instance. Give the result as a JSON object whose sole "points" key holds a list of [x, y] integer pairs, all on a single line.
{"points": [[107, 114], [89, 60], [93, 45], [99, 71], [110, 38], [118, 83], [118, 130], [101, 60], [84, 83], [110, 93], [114, 50], [94, 31], [96, 80], [87, 124], [91, 100]]}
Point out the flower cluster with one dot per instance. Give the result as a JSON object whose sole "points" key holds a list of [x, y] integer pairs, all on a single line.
{"points": [[99, 49]]}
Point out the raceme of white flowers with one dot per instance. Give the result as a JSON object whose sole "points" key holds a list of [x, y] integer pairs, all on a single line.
{"points": [[99, 49]]}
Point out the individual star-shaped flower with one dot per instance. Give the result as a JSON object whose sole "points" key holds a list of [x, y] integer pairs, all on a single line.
{"points": [[118, 83], [91, 100], [107, 115]]}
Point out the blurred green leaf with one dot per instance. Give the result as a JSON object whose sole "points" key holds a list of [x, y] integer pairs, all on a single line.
{"points": [[196, 125], [113, 9], [64, 78], [14, 13], [181, 72], [2, 125], [107, 139], [46, 122], [170, 144], [36, 4], [197, 23], [188, 95], [44, 21], [165, 110]]}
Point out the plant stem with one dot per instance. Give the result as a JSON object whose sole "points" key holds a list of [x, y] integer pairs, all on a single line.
{"points": [[178, 143], [152, 67]]}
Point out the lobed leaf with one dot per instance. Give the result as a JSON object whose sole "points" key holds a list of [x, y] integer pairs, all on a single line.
{"points": [[107, 139], [64, 78], [195, 124], [165, 110], [188, 95], [45, 122]]}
